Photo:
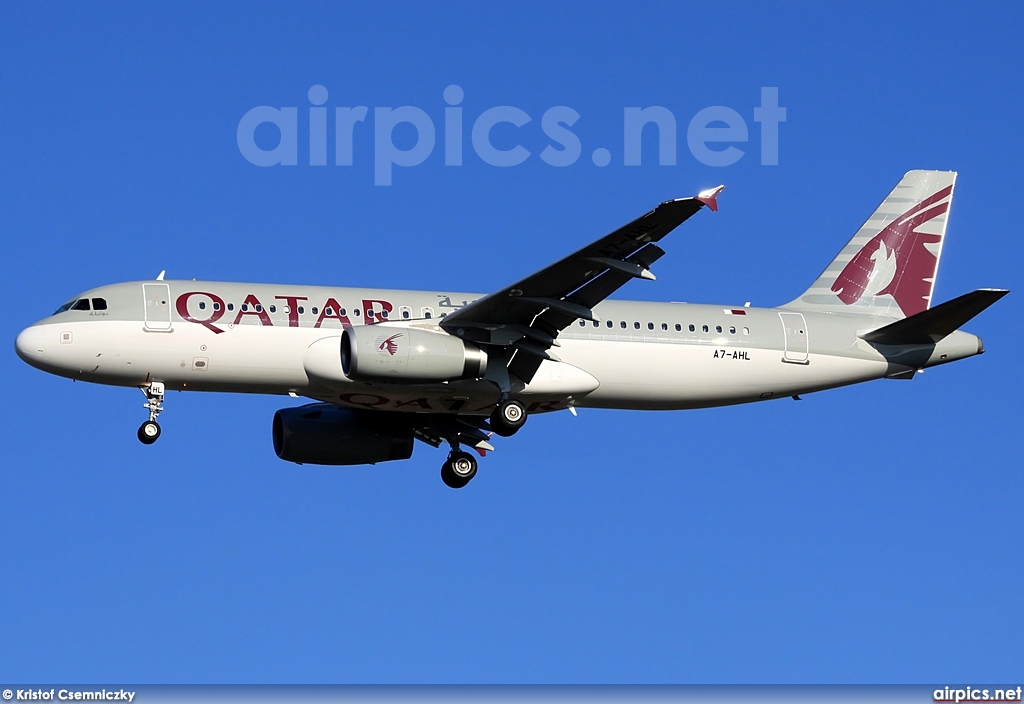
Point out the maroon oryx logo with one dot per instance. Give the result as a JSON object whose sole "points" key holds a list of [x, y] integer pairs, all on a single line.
{"points": [[389, 345], [900, 254]]}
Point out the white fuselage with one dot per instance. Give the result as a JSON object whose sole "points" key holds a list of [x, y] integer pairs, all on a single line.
{"points": [[259, 338]]}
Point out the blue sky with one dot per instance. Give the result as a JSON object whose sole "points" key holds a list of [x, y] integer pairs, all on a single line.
{"points": [[870, 534]]}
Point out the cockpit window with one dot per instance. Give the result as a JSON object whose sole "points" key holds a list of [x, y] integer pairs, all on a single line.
{"points": [[80, 304], [83, 304]]}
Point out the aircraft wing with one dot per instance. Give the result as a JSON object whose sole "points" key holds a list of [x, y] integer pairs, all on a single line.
{"points": [[526, 317]]}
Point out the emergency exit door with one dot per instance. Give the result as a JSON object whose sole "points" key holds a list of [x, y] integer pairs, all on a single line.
{"points": [[795, 340], [158, 306]]}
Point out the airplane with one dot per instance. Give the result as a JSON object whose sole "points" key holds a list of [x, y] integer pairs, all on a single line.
{"points": [[388, 367]]}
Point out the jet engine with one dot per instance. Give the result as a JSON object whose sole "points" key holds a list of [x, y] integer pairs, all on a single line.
{"points": [[321, 433], [408, 354]]}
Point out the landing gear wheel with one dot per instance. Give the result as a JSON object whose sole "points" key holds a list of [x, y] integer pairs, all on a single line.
{"points": [[149, 432], [458, 469], [508, 418]]}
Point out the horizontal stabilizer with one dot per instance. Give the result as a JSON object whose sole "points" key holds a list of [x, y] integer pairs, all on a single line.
{"points": [[932, 325]]}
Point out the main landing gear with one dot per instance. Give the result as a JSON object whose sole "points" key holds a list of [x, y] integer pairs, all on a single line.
{"points": [[150, 430], [458, 469], [508, 418]]}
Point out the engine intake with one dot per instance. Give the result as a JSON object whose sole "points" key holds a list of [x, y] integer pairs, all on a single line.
{"points": [[408, 354], [324, 434]]}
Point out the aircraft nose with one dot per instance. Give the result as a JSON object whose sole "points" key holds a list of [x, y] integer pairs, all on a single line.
{"points": [[30, 344]]}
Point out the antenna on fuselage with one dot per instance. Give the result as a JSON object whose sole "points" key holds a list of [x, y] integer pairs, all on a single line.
{"points": [[160, 276]]}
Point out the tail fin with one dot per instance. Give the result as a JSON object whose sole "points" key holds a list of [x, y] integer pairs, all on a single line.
{"points": [[889, 266]]}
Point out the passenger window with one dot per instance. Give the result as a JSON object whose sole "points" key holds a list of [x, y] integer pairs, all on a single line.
{"points": [[692, 329], [259, 308], [718, 329], [99, 304], [302, 309], [746, 331], [597, 324], [679, 328], [427, 312], [583, 323], [216, 306], [231, 306], [287, 309], [81, 304], [636, 325], [384, 314], [650, 326], [341, 311], [202, 305], [610, 324], [664, 326], [622, 324], [406, 312], [356, 312], [328, 311], [314, 310], [732, 330], [273, 309], [245, 307], [704, 328]]}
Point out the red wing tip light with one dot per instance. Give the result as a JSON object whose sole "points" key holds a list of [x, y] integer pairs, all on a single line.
{"points": [[710, 197]]}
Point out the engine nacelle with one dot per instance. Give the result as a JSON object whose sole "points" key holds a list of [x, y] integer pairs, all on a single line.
{"points": [[408, 354], [324, 434]]}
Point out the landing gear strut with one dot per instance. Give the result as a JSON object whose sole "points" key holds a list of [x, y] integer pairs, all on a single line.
{"points": [[458, 469], [508, 418], [150, 430]]}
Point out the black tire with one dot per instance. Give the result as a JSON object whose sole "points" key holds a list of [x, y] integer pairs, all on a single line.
{"points": [[450, 478], [508, 418], [149, 432]]}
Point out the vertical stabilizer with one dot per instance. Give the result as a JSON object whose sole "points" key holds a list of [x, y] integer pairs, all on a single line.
{"points": [[889, 266]]}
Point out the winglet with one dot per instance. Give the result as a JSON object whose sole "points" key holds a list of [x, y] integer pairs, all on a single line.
{"points": [[710, 197]]}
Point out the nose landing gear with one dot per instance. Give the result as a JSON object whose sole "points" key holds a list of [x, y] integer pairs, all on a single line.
{"points": [[150, 430]]}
